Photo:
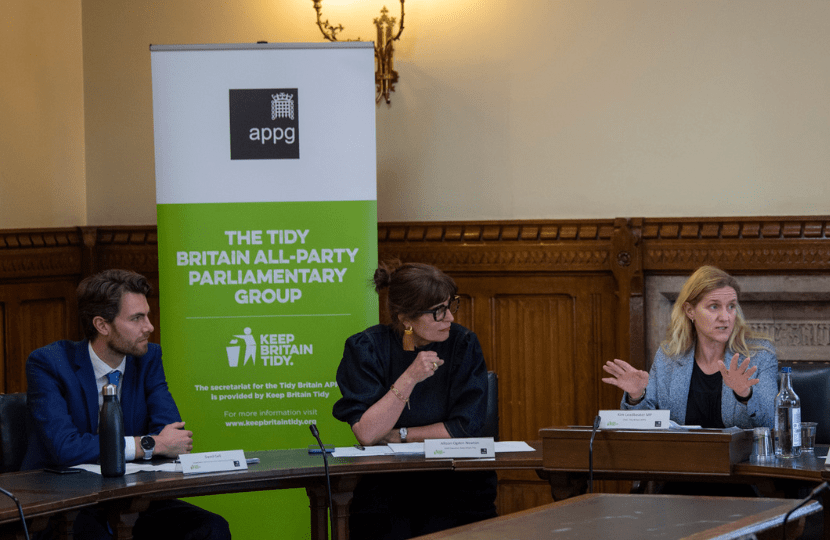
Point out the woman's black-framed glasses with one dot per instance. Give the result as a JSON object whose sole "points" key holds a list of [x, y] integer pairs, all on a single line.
{"points": [[440, 312]]}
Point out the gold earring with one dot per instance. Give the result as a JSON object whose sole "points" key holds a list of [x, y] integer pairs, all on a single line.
{"points": [[408, 339]]}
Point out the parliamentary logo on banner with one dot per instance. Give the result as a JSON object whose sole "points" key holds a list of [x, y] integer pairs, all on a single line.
{"points": [[264, 124]]}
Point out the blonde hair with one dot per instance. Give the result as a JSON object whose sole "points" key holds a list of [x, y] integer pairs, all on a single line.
{"points": [[682, 335]]}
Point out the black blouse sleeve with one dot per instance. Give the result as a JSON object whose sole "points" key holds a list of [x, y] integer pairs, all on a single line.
{"points": [[360, 378]]}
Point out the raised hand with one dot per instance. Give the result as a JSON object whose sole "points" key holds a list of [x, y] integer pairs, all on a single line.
{"points": [[739, 376], [625, 376]]}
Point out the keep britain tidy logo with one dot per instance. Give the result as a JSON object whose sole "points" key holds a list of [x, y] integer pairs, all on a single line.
{"points": [[273, 349], [264, 123]]}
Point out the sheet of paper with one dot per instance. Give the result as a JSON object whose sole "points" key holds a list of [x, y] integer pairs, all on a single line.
{"points": [[351, 451], [513, 446], [133, 467], [418, 448], [407, 448], [675, 425]]}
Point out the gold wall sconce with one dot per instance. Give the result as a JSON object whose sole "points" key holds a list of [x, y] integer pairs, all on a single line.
{"points": [[385, 76]]}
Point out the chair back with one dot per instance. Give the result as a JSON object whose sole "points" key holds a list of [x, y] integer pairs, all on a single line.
{"points": [[811, 381], [491, 421], [13, 431]]}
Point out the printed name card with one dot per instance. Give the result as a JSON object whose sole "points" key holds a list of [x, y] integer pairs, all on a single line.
{"points": [[644, 419], [205, 462], [474, 447]]}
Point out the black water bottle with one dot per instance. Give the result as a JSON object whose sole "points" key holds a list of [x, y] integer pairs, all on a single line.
{"points": [[111, 433]]}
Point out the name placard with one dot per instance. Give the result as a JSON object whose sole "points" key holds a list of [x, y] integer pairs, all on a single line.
{"points": [[205, 462], [644, 419], [474, 447]]}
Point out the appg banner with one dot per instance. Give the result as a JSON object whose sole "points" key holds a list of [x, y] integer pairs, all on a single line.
{"points": [[267, 224]]}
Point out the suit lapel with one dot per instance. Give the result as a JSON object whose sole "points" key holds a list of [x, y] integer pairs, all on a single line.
{"points": [[86, 381]]}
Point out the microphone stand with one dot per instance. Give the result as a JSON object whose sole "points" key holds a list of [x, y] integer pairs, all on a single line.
{"points": [[316, 433], [597, 420], [19, 509], [823, 486]]}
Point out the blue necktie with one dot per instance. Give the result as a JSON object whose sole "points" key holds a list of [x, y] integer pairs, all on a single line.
{"points": [[114, 377]]}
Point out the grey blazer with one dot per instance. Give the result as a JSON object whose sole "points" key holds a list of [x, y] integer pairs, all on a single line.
{"points": [[668, 388]]}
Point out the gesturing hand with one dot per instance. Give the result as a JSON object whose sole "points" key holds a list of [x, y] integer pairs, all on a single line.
{"points": [[424, 366], [625, 376], [739, 377]]}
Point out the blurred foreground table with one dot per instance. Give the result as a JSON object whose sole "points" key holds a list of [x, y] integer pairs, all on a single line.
{"points": [[665, 517]]}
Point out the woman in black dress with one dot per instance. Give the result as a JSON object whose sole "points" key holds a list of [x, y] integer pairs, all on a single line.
{"points": [[421, 377]]}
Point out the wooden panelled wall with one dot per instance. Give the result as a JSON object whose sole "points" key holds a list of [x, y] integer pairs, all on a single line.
{"points": [[39, 271], [550, 300]]}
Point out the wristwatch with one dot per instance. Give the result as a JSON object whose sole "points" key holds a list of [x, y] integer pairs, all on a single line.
{"points": [[403, 434], [148, 444]]}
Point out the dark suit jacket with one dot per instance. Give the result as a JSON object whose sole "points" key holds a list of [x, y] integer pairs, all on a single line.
{"points": [[63, 403]]}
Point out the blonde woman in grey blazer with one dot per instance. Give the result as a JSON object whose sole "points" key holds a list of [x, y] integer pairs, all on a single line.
{"points": [[712, 370]]}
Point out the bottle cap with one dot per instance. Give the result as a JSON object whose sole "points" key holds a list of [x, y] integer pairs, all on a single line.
{"points": [[109, 390]]}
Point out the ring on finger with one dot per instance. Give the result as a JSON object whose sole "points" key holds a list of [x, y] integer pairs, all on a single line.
{"points": [[434, 366]]}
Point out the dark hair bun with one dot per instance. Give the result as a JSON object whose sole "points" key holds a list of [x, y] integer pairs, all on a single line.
{"points": [[382, 278], [383, 275]]}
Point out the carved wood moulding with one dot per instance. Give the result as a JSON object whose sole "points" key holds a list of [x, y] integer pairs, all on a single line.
{"points": [[492, 231], [737, 244], [145, 235], [131, 248], [39, 238], [751, 244], [58, 262], [502, 258], [27, 253], [500, 246], [808, 228], [43, 253]]}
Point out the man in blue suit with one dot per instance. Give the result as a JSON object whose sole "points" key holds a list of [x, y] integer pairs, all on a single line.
{"points": [[64, 396]]}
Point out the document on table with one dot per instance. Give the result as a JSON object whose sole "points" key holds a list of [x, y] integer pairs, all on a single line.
{"points": [[352, 451], [513, 446], [400, 449], [134, 467], [407, 448]]}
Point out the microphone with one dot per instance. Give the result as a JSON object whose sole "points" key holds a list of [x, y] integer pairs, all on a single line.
{"points": [[597, 420], [316, 433], [19, 509], [813, 494]]}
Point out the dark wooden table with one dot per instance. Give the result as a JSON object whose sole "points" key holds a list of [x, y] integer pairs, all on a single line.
{"points": [[638, 517], [697, 456], [630, 454], [43, 494]]}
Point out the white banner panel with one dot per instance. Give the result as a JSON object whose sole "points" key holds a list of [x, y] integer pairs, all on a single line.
{"points": [[335, 135]]}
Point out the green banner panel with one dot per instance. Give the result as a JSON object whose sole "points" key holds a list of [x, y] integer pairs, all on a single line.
{"points": [[257, 300]]}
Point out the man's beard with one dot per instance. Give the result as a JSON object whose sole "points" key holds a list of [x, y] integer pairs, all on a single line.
{"points": [[121, 346]]}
